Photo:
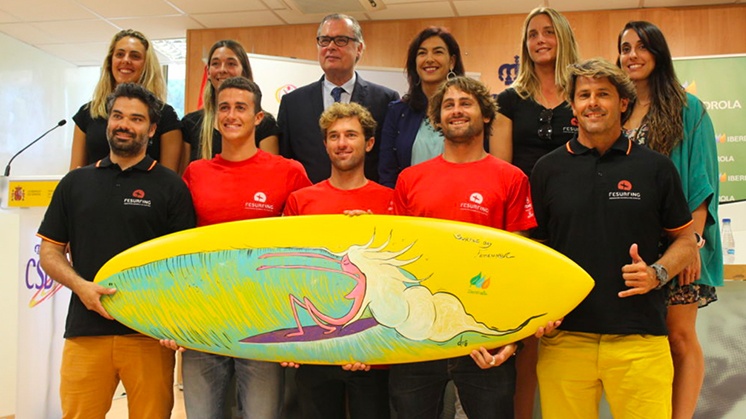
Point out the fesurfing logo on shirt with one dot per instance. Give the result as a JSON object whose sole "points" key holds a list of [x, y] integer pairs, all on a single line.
{"points": [[475, 204], [624, 192], [573, 128], [138, 199], [259, 203]]}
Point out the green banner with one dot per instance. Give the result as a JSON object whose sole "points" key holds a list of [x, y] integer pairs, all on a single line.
{"points": [[719, 82]]}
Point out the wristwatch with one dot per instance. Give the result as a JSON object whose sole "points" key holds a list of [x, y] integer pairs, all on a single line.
{"points": [[700, 240], [662, 274]]}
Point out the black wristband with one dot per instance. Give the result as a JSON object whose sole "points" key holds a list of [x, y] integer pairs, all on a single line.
{"points": [[518, 347]]}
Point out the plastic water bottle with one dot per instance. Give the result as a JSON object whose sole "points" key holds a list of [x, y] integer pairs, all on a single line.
{"points": [[729, 244]]}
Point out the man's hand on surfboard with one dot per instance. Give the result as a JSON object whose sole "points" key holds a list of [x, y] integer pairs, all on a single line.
{"points": [[485, 359], [90, 294], [356, 212], [288, 364], [357, 366], [171, 344], [549, 328]]}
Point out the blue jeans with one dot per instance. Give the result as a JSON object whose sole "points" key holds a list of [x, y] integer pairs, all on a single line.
{"points": [[207, 376], [328, 391], [417, 389]]}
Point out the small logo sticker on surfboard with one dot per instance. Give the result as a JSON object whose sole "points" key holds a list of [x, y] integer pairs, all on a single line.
{"points": [[481, 283]]}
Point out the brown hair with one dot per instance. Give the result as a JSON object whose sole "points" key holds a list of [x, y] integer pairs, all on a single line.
{"points": [[210, 95], [599, 68], [341, 110], [481, 93]]}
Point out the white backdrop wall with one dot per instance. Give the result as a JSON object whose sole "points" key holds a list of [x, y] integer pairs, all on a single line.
{"points": [[9, 225], [37, 91]]}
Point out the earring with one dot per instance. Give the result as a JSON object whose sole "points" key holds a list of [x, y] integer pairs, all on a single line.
{"points": [[451, 75]]}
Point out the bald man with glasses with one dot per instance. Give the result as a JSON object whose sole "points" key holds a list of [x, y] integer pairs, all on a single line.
{"points": [[340, 45]]}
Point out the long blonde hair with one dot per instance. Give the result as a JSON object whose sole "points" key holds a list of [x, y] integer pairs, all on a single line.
{"points": [[151, 77], [209, 96], [527, 84]]}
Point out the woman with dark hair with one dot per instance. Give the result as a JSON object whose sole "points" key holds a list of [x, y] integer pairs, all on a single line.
{"points": [[533, 117], [407, 136], [130, 59], [675, 123], [227, 58]]}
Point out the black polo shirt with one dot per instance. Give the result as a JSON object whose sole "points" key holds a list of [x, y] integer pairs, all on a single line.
{"points": [[592, 208], [100, 211]]}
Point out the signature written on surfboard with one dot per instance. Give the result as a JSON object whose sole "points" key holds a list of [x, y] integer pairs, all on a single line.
{"points": [[484, 245]]}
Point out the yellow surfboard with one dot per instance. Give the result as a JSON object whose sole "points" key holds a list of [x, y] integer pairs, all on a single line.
{"points": [[332, 289]]}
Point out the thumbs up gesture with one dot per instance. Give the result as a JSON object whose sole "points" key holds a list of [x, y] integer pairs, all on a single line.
{"points": [[638, 276]]}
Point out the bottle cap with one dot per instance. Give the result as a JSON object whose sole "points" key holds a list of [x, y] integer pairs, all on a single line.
{"points": [[726, 220]]}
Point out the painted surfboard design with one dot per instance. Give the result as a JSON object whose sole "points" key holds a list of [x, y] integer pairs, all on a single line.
{"points": [[333, 289]]}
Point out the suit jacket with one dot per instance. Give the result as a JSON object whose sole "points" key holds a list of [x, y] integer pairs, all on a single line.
{"points": [[397, 139], [300, 135]]}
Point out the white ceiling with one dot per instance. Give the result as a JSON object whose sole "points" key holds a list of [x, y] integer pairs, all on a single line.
{"points": [[78, 31]]}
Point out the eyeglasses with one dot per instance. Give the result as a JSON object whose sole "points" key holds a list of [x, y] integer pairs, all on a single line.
{"points": [[339, 41], [545, 129]]}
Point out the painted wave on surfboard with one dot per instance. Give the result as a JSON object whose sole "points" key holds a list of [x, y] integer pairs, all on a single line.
{"points": [[268, 303]]}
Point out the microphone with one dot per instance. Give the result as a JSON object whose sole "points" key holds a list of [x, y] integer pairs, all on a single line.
{"points": [[59, 124]]}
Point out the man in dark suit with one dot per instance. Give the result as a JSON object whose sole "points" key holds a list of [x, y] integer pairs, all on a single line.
{"points": [[340, 45]]}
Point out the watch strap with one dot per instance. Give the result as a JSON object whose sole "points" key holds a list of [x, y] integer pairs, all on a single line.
{"points": [[661, 273]]}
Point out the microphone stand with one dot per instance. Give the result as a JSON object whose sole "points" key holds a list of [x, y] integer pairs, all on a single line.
{"points": [[7, 168]]}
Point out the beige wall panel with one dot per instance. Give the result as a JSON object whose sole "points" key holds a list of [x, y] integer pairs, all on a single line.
{"points": [[487, 42]]}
